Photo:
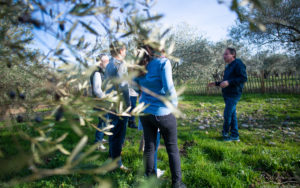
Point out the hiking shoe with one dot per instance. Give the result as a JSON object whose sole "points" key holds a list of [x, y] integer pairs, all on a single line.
{"points": [[160, 173], [178, 185], [230, 139], [124, 168], [101, 147]]}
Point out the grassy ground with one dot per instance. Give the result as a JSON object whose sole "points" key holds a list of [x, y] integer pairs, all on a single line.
{"points": [[267, 156]]}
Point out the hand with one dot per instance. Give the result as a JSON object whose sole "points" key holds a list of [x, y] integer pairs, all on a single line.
{"points": [[224, 84], [211, 84]]}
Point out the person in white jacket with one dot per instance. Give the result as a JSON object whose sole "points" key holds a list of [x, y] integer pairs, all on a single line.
{"points": [[96, 80]]}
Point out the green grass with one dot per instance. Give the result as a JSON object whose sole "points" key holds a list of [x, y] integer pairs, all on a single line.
{"points": [[267, 156]]}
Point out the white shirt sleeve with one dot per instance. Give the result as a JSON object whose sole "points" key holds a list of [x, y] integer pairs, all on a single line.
{"points": [[97, 85]]}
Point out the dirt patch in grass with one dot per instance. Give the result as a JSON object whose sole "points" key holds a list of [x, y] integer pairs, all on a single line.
{"points": [[183, 106], [7, 112], [186, 145], [282, 179]]}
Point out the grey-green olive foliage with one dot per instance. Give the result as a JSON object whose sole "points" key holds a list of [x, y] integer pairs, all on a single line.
{"points": [[271, 63], [265, 32], [18, 62], [273, 23], [58, 79], [199, 59]]}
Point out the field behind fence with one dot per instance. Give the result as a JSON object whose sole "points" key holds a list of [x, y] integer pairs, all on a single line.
{"points": [[279, 83]]}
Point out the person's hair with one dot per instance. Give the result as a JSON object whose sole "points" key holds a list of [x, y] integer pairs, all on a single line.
{"points": [[146, 58], [115, 48], [99, 57], [232, 51]]}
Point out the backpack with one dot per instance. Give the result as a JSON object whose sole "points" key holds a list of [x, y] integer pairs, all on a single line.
{"points": [[100, 70]]}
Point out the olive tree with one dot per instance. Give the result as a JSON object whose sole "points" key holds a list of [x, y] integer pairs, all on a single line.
{"points": [[267, 63], [275, 23], [192, 51], [198, 58], [58, 79]]}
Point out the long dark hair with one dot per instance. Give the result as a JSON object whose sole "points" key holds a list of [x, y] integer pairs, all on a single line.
{"points": [[148, 52]]}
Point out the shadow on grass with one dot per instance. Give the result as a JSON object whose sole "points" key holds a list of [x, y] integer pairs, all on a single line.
{"points": [[214, 154]]}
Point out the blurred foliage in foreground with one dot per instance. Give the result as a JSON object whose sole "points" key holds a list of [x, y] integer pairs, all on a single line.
{"points": [[58, 80]]}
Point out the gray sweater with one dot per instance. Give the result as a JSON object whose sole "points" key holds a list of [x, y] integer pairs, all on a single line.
{"points": [[117, 70]]}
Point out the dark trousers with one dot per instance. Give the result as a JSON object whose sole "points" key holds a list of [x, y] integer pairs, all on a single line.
{"points": [[99, 135], [168, 129], [230, 119], [117, 139], [101, 124], [133, 101], [156, 151]]}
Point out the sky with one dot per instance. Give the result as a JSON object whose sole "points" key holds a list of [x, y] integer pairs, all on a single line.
{"points": [[210, 18]]}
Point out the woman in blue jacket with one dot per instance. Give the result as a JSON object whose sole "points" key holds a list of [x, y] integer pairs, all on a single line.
{"points": [[158, 80]]}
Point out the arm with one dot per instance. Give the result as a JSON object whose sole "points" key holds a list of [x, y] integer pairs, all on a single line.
{"points": [[123, 86], [211, 84], [217, 83], [136, 86], [167, 80], [97, 82], [241, 73]]}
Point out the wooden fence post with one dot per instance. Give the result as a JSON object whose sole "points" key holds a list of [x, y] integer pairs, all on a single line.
{"points": [[262, 82]]}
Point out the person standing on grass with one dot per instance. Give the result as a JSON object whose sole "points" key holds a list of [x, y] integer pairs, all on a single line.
{"points": [[96, 80], [234, 78], [115, 71], [158, 80]]}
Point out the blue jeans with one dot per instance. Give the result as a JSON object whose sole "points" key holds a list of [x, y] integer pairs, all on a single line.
{"points": [[230, 120], [156, 150], [117, 139], [133, 100], [99, 135]]}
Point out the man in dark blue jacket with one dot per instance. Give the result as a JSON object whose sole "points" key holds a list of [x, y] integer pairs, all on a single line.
{"points": [[232, 86]]}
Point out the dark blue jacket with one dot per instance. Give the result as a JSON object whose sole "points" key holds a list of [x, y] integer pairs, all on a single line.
{"points": [[235, 73]]}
